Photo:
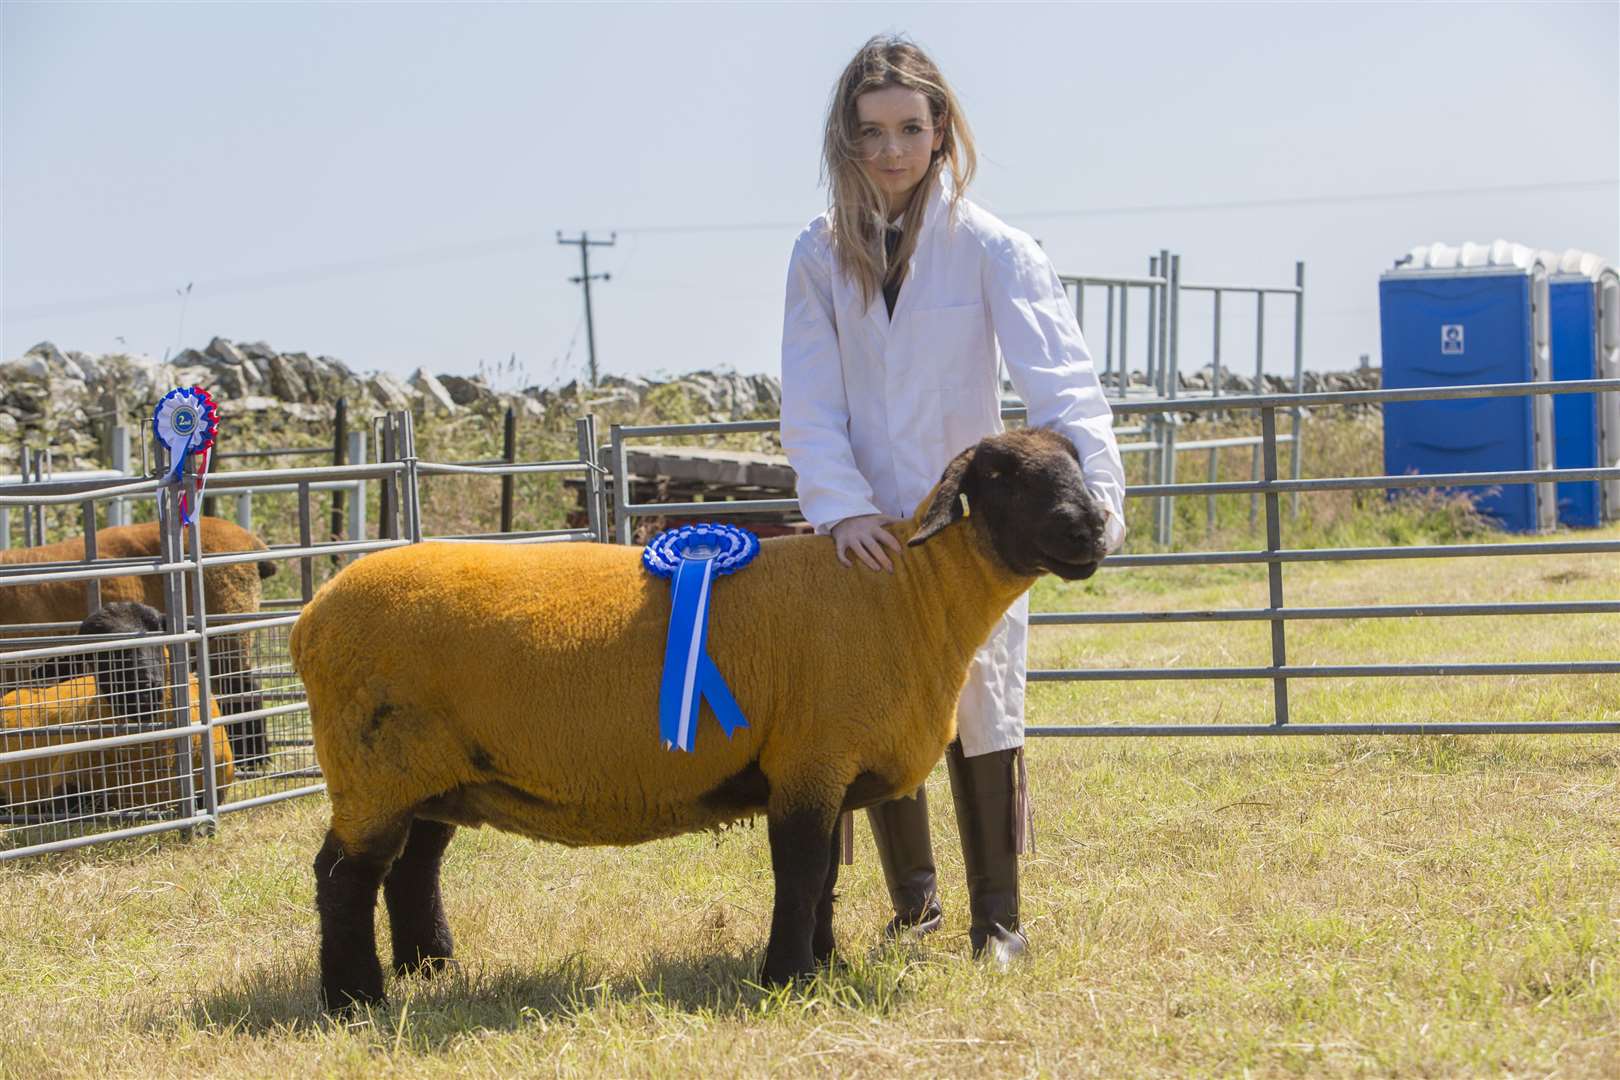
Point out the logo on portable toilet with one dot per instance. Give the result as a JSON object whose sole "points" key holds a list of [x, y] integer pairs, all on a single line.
{"points": [[1451, 339]]}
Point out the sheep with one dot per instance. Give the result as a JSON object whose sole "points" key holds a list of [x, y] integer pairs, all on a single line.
{"points": [[467, 684], [233, 588], [128, 688]]}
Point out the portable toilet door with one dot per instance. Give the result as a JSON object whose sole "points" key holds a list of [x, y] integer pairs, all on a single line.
{"points": [[1576, 355], [1459, 325]]}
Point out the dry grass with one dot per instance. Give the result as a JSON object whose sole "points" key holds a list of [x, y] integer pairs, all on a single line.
{"points": [[1233, 907]]}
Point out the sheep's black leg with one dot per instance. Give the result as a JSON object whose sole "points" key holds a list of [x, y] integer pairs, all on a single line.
{"points": [[822, 942], [801, 843], [346, 899], [237, 687], [415, 909]]}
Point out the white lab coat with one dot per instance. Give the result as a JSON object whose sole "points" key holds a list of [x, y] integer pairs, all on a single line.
{"points": [[874, 406]]}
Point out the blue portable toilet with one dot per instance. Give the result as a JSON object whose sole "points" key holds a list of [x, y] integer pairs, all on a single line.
{"points": [[1581, 291], [1468, 316]]}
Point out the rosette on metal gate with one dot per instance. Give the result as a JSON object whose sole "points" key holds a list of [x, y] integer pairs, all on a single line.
{"points": [[186, 422], [692, 557]]}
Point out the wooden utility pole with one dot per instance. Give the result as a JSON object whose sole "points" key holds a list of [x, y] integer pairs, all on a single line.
{"points": [[585, 278]]}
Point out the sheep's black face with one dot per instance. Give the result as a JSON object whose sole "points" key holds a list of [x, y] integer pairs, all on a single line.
{"points": [[1029, 489], [129, 680]]}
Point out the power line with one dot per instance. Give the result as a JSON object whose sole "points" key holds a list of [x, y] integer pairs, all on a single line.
{"points": [[522, 242], [1188, 207], [1321, 200]]}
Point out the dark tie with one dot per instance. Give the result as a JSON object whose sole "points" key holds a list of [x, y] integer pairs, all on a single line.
{"points": [[891, 287]]}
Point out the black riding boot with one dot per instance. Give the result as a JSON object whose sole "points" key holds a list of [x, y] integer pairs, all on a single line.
{"points": [[984, 790], [900, 831]]}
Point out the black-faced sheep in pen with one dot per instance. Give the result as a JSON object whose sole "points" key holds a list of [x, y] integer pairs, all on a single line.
{"points": [[128, 691], [229, 589], [470, 684]]}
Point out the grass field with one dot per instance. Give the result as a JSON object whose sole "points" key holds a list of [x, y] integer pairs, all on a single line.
{"points": [[1309, 906]]}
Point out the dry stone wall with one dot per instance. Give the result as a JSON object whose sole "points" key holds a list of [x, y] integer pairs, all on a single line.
{"points": [[56, 399]]}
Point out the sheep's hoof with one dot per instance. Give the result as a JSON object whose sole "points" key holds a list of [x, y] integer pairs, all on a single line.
{"points": [[425, 966], [345, 1004], [776, 974]]}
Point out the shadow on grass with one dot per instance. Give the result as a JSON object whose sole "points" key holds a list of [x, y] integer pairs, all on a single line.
{"points": [[429, 1013]]}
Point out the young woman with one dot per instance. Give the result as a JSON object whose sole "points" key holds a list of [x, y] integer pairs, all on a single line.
{"points": [[902, 301]]}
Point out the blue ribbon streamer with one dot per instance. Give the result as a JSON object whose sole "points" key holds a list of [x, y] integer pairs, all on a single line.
{"points": [[692, 556]]}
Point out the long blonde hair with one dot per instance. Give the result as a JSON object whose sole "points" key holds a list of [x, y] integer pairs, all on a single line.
{"points": [[857, 207]]}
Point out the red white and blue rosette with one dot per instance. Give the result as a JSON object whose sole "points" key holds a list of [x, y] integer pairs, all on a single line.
{"points": [[692, 556], [186, 422]]}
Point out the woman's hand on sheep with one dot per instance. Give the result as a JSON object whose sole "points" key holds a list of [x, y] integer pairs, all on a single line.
{"points": [[865, 536]]}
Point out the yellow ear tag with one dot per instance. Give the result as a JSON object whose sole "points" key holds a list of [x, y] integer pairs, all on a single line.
{"points": [[962, 495]]}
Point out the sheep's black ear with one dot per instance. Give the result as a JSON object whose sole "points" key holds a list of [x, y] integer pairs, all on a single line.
{"points": [[946, 506], [151, 618]]}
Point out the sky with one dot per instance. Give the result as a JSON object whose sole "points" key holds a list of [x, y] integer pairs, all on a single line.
{"points": [[385, 183]]}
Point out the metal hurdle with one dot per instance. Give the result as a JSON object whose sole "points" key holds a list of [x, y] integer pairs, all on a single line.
{"points": [[1162, 290], [1270, 487], [75, 771]]}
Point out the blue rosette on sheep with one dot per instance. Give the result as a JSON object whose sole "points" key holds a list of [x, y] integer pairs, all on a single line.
{"points": [[692, 556]]}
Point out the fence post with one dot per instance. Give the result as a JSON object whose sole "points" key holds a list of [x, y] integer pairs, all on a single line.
{"points": [[357, 508], [1279, 644], [205, 669], [174, 622], [388, 494], [585, 433], [412, 488], [92, 586], [621, 487], [1170, 346], [1259, 388], [340, 453], [1297, 452], [25, 461], [1153, 325], [1124, 373], [1164, 321], [1209, 500], [508, 455], [1108, 340], [1541, 409], [306, 537], [1153, 423], [118, 509]]}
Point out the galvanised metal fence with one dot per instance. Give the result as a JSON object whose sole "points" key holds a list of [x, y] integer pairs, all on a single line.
{"points": [[1269, 489], [104, 736]]}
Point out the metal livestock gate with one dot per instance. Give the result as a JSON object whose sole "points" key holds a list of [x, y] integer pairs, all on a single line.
{"points": [[119, 735], [81, 763]]}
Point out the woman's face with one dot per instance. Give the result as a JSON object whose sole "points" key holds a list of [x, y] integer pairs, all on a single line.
{"points": [[895, 140]]}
